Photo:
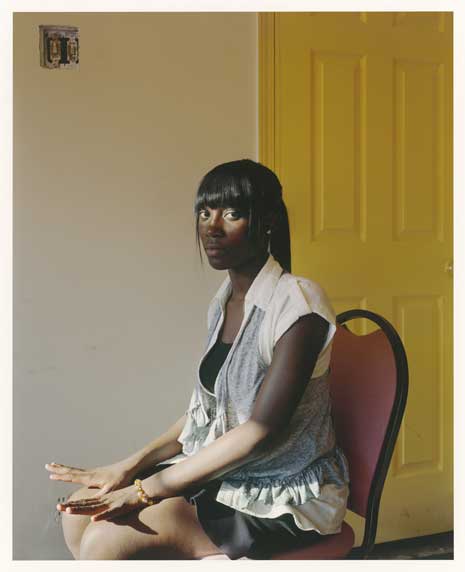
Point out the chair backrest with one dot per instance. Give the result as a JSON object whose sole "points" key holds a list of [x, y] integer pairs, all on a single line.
{"points": [[369, 384]]}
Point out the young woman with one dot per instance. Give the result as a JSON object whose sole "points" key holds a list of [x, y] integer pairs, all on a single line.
{"points": [[252, 467]]}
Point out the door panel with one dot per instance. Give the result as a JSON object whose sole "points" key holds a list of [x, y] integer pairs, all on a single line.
{"points": [[361, 138]]}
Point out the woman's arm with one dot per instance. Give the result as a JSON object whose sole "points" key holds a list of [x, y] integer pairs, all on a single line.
{"points": [[225, 453], [160, 449], [294, 358]]}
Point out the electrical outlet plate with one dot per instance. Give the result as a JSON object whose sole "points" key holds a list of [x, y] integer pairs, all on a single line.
{"points": [[59, 47]]}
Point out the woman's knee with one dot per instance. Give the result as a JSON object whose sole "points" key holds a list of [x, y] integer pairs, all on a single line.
{"points": [[74, 525], [150, 534]]}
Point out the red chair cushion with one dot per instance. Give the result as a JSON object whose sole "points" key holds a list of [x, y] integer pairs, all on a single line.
{"points": [[330, 547], [363, 386]]}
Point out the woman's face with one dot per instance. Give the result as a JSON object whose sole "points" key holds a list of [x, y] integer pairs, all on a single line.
{"points": [[223, 232]]}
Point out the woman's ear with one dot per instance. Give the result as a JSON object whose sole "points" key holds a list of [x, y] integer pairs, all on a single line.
{"points": [[270, 222]]}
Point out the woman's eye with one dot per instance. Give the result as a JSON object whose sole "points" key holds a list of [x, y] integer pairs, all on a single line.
{"points": [[229, 214], [233, 214]]}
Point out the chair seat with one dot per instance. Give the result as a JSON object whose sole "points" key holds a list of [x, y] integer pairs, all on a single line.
{"points": [[330, 547]]}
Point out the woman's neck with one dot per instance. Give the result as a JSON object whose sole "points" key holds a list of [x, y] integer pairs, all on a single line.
{"points": [[243, 276]]}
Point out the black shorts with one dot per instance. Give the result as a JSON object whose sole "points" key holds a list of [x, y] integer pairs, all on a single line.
{"points": [[239, 534]]}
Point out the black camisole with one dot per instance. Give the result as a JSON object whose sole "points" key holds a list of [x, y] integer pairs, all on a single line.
{"points": [[212, 363]]}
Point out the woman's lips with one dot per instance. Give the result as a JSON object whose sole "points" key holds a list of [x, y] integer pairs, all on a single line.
{"points": [[214, 250]]}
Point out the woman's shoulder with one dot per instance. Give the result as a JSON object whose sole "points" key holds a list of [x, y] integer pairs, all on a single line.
{"points": [[295, 296], [288, 280], [303, 293]]}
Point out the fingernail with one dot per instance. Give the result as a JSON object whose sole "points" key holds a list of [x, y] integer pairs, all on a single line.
{"points": [[68, 509]]}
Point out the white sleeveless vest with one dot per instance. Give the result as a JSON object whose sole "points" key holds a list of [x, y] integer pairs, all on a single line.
{"points": [[305, 473]]}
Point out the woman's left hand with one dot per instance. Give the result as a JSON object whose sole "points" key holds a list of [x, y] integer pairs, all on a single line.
{"points": [[106, 506]]}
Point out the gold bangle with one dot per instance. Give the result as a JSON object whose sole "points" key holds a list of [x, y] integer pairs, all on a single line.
{"points": [[141, 493]]}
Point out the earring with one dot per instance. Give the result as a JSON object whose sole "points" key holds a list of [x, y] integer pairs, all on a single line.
{"points": [[268, 231]]}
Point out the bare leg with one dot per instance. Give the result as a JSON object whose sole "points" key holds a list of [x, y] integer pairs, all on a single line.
{"points": [[74, 525], [169, 530]]}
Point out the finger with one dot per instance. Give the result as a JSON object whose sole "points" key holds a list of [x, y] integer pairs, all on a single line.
{"points": [[58, 473], [99, 495], [62, 468], [82, 503], [67, 478], [106, 514], [78, 504], [83, 510]]}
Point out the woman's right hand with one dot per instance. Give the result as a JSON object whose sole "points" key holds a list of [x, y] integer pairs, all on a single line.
{"points": [[107, 478]]}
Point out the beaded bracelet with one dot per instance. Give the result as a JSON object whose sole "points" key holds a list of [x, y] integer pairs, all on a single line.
{"points": [[141, 494]]}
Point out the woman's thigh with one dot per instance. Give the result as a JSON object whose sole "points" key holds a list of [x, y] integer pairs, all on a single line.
{"points": [[169, 530], [74, 525]]}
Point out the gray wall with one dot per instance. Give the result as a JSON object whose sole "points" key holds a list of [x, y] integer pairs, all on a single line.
{"points": [[109, 296]]}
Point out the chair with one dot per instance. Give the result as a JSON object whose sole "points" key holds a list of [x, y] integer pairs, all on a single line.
{"points": [[368, 384]]}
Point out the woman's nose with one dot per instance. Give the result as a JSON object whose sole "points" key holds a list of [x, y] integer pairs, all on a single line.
{"points": [[215, 224]]}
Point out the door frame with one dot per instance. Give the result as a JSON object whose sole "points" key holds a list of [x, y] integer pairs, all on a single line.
{"points": [[266, 89]]}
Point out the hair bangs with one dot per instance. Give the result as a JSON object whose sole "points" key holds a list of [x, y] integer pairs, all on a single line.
{"points": [[224, 190]]}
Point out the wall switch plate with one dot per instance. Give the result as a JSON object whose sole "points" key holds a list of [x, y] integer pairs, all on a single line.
{"points": [[59, 47]]}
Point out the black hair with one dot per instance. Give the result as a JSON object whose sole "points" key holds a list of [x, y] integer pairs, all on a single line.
{"points": [[253, 189]]}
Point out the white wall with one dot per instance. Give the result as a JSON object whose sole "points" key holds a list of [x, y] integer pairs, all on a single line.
{"points": [[109, 296]]}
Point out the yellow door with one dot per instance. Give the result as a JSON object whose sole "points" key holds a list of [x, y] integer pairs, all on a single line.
{"points": [[356, 118]]}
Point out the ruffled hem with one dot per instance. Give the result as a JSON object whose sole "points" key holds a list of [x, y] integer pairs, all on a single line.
{"points": [[324, 514], [194, 430], [198, 432], [294, 490]]}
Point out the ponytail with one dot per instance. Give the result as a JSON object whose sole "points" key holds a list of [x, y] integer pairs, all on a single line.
{"points": [[280, 241]]}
